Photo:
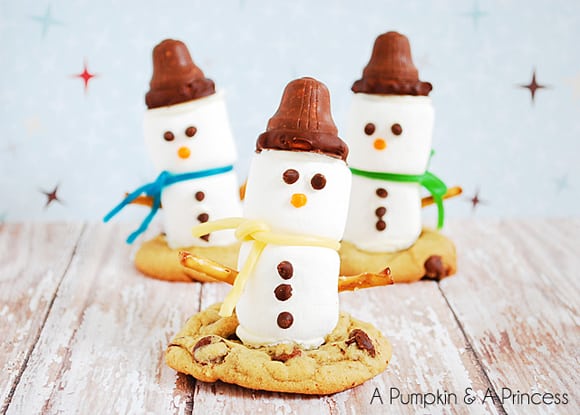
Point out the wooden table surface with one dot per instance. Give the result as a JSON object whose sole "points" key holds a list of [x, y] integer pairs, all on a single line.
{"points": [[84, 333]]}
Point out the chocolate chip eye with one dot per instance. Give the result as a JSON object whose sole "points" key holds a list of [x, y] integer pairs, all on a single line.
{"points": [[168, 136], [290, 176], [396, 129], [369, 128], [318, 181], [190, 131]]}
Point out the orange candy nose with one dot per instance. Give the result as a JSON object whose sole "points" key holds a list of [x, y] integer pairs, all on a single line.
{"points": [[298, 200], [379, 144], [183, 152]]}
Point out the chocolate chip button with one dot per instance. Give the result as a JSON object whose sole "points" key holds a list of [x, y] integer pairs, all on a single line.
{"points": [[205, 237], [397, 129], [199, 196], [382, 193], [285, 320], [283, 292], [285, 270], [203, 217], [381, 211], [381, 225], [290, 176]]}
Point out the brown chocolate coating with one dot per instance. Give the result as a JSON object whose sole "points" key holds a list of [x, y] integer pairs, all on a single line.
{"points": [[390, 70], [176, 78], [303, 122]]}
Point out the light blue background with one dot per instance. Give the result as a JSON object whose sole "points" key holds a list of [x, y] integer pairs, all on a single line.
{"points": [[521, 156]]}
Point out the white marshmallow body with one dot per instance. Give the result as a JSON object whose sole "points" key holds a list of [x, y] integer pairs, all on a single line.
{"points": [[407, 153], [314, 282], [212, 146]]}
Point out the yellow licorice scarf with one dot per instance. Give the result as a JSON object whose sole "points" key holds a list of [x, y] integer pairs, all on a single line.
{"points": [[258, 232]]}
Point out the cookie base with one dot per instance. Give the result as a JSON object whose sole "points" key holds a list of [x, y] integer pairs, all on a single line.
{"points": [[207, 348], [432, 256], [156, 259]]}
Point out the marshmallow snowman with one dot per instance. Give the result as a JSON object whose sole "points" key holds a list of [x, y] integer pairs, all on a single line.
{"points": [[293, 292], [297, 197], [188, 137], [389, 130]]}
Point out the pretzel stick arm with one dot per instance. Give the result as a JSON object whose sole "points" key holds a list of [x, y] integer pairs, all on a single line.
{"points": [[228, 275], [365, 280], [143, 201], [451, 192], [208, 267]]}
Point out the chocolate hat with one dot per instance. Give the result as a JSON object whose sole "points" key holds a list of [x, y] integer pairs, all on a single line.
{"points": [[175, 77], [391, 70], [303, 122]]}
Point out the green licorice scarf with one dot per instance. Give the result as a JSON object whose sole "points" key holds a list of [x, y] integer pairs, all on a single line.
{"points": [[428, 180]]}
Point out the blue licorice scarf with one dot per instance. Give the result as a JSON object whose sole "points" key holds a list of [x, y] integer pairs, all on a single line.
{"points": [[154, 190]]}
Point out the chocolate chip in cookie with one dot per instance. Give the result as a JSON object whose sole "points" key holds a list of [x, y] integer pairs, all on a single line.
{"points": [[362, 340], [204, 341], [210, 350], [434, 267], [284, 357]]}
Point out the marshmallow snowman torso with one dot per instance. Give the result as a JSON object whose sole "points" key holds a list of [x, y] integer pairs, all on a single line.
{"points": [[292, 292], [191, 137], [192, 202], [291, 296], [388, 215], [388, 134]]}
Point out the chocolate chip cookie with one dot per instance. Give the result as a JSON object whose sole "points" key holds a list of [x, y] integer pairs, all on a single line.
{"points": [[207, 348], [432, 256]]}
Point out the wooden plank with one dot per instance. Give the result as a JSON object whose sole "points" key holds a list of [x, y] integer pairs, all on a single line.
{"points": [[33, 260], [430, 354], [102, 347], [429, 351], [516, 295]]}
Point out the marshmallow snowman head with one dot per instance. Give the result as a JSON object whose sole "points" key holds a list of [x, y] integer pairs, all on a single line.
{"points": [[390, 133], [298, 192], [186, 126], [190, 136], [298, 181], [390, 121]]}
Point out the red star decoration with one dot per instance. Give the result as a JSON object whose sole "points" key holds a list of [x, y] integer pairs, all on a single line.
{"points": [[86, 76], [533, 86], [51, 196], [475, 200]]}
